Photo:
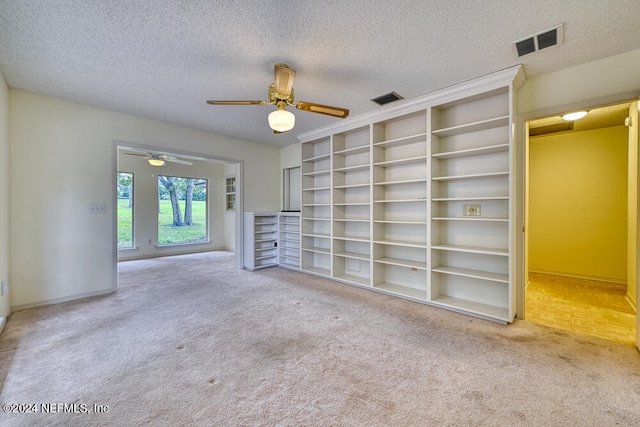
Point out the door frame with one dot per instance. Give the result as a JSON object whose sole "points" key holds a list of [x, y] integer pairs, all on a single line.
{"points": [[239, 217], [521, 153]]}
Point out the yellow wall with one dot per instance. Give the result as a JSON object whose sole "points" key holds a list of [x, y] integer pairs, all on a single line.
{"points": [[578, 204]]}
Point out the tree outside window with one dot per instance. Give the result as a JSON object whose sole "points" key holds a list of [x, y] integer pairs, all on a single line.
{"points": [[182, 210], [125, 210]]}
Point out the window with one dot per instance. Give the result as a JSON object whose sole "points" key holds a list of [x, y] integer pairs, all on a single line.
{"points": [[291, 180], [230, 182], [182, 210], [125, 210]]}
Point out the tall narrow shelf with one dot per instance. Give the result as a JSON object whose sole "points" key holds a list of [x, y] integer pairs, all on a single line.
{"points": [[470, 228], [260, 240], [289, 239], [315, 227], [399, 160], [415, 199], [351, 204]]}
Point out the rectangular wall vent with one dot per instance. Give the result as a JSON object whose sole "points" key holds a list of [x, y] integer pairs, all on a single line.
{"points": [[385, 99], [542, 40]]}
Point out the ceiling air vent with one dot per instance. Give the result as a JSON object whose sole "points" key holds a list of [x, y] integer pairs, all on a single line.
{"points": [[542, 40], [385, 99]]}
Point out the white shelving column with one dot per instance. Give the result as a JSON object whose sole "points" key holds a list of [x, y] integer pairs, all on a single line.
{"points": [[400, 205], [316, 207], [470, 205], [289, 240], [352, 206]]}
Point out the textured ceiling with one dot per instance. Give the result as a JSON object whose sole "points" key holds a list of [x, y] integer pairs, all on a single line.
{"points": [[162, 59]]}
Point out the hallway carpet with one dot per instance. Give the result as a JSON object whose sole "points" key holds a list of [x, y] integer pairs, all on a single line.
{"points": [[192, 341]]}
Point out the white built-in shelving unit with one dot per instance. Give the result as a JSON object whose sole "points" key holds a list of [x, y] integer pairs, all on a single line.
{"points": [[289, 239], [260, 240], [415, 200]]}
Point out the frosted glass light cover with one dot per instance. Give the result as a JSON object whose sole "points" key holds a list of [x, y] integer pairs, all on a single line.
{"points": [[281, 120]]}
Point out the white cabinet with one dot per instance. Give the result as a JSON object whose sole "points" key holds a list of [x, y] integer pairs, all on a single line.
{"points": [[415, 200], [260, 240], [289, 240]]}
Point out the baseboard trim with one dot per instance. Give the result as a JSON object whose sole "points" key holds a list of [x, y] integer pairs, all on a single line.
{"points": [[60, 300], [617, 281], [166, 254]]}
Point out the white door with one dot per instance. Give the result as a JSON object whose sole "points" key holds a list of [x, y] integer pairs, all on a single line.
{"points": [[633, 224]]}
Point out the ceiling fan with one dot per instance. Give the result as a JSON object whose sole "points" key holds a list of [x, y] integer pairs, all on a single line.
{"points": [[281, 95], [158, 159]]}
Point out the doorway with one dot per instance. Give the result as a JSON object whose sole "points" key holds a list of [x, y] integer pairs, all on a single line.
{"points": [[224, 225], [576, 228]]}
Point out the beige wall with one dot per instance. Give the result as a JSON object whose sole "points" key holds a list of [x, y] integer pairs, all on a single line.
{"points": [[290, 157], [63, 159], [5, 309], [597, 79], [578, 204]]}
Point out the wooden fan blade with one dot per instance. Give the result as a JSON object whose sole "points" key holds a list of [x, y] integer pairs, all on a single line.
{"points": [[323, 109], [283, 80], [237, 102]]}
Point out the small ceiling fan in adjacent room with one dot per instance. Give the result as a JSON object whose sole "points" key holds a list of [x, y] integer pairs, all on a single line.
{"points": [[158, 159], [280, 94]]}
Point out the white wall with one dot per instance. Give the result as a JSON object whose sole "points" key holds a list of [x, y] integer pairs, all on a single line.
{"points": [[5, 309], [290, 157], [145, 193], [62, 159], [602, 78]]}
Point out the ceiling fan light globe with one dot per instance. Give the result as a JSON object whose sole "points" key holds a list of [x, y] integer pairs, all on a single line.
{"points": [[156, 162], [281, 120]]}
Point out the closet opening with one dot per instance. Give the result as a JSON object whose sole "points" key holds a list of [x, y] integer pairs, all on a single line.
{"points": [[581, 201]]}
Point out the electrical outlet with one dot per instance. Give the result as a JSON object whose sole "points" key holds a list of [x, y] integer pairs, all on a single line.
{"points": [[4, 288], [471, 210]]}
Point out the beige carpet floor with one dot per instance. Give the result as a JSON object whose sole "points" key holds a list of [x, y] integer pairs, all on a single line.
{"points": [[191, 341]]}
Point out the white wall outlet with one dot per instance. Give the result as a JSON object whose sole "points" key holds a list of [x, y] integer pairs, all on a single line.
{"points": [[4, 288], [471, 210], [97, 208]]}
